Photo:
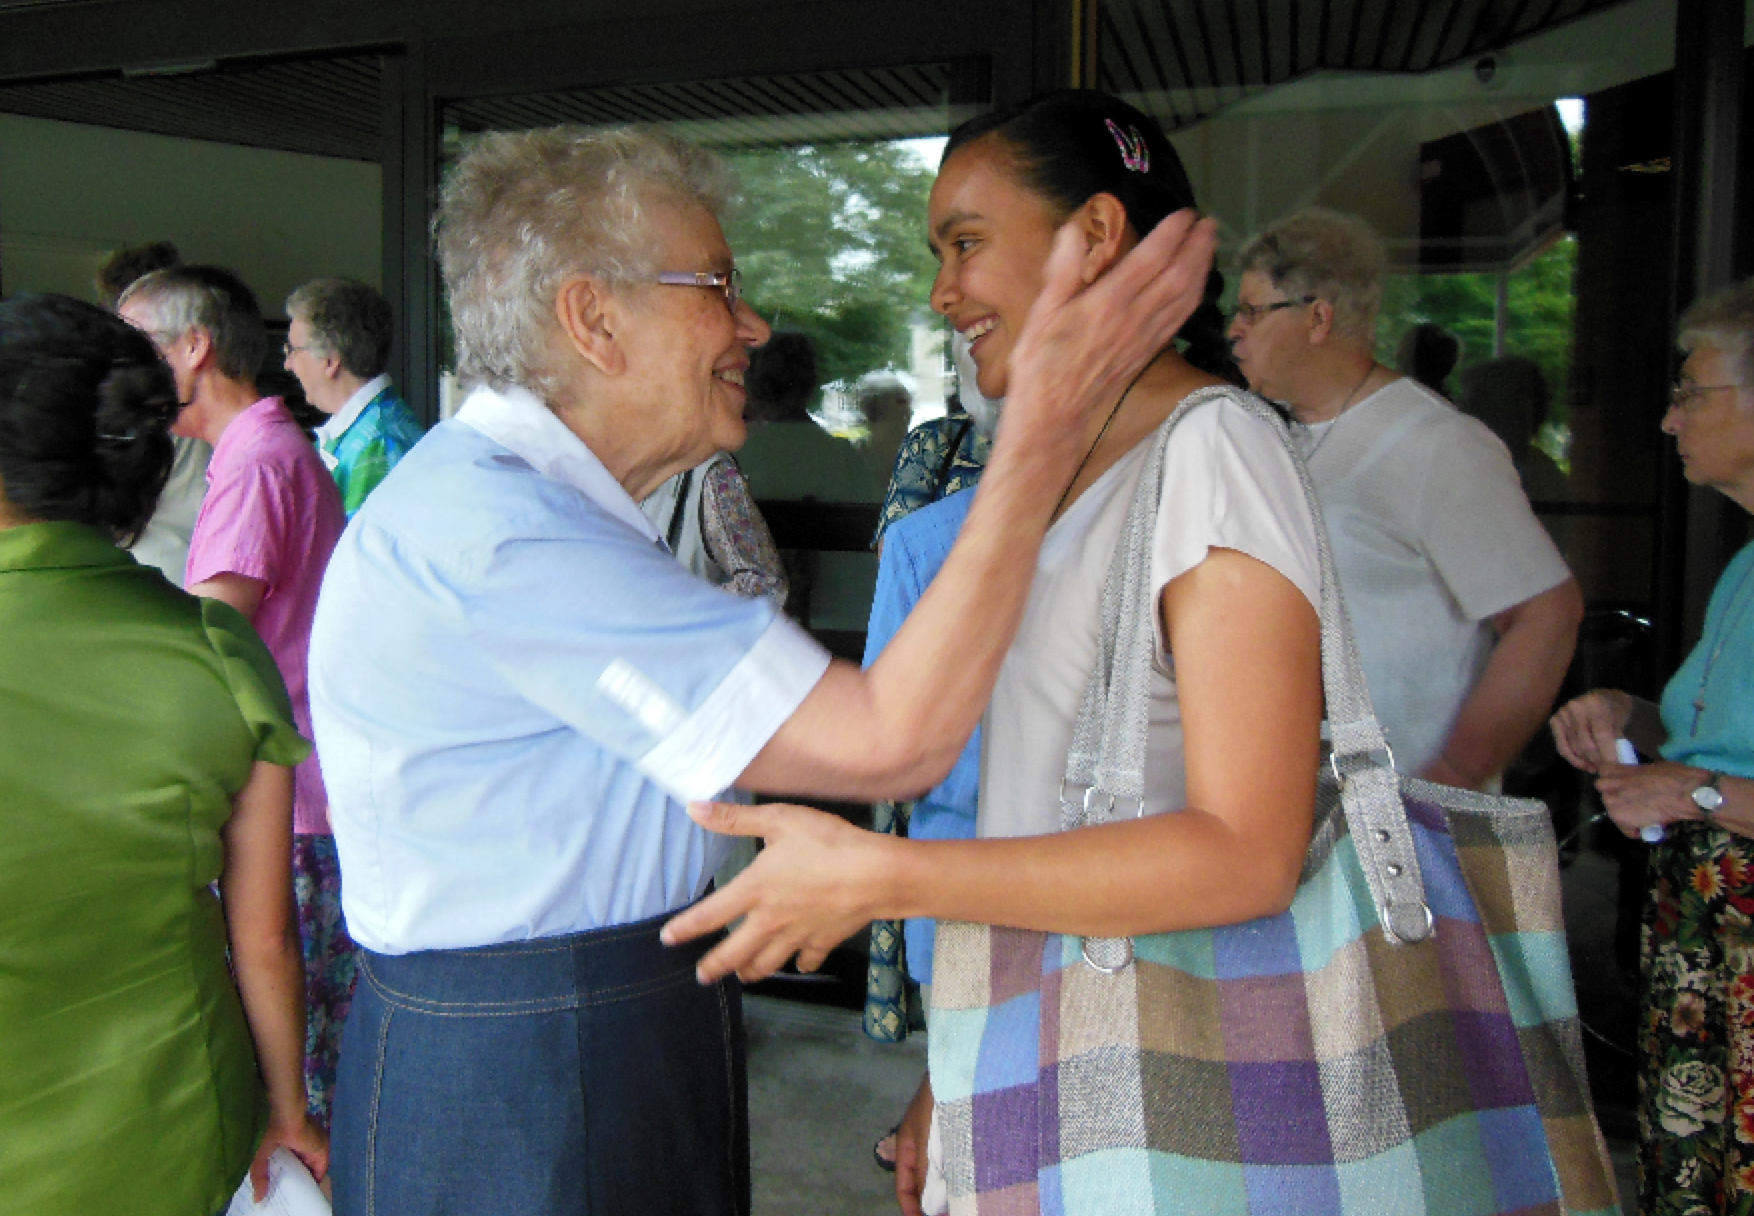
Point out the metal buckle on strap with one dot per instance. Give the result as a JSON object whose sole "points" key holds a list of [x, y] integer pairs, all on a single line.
{"points": [[1092, 800], [1385, 913], [1334, 762], [1090, 811], [1091, 794], [1117, 968]]}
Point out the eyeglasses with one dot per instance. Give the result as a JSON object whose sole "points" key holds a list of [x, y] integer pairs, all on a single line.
{"points": [[287, 348], [1682, 395], [1254, 312], [728, 281]]}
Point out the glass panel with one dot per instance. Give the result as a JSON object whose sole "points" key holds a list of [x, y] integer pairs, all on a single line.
{"points": [[1479, 177], [829, 235], [268, 169], [1521, 181]]}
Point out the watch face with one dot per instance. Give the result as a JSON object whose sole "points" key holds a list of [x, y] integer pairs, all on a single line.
{"points": [[1708, 798]]}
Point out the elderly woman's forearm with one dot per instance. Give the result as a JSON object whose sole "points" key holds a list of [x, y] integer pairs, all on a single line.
{"points": [[896, 729], [1737, 813]]}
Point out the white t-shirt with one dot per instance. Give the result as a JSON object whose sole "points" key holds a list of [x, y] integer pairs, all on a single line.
{"points": [[165, 542], [1432, 537], [1228, 483]]}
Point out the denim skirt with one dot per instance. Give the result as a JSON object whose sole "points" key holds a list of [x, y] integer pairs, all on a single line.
{"points": [[566, 1076]]}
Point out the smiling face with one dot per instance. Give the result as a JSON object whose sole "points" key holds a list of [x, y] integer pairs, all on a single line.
{"points": [[686, 352], [1714, 425], [992, 238]]}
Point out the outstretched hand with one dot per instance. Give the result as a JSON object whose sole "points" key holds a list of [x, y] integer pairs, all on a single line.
{"points": [[1084, 340], [813, 886]]}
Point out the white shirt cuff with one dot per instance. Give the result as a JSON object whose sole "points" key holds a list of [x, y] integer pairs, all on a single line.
{"points": [[715, 743]]}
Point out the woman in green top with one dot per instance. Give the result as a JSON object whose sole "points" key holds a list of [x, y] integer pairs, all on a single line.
{"points": [[146, 746]]}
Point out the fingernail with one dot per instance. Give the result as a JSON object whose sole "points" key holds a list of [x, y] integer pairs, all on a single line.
{"points": [[665, 936]]}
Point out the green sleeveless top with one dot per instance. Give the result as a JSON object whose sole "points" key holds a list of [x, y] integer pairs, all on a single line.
{"points": [[130, 715]]}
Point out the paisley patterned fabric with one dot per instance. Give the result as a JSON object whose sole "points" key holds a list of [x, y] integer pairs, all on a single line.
{"points": [[938, 458]]}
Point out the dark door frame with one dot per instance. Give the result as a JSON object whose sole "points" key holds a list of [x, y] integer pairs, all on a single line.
{"points": [[1699, 530]]}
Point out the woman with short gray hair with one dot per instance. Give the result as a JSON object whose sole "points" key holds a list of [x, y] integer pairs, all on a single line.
{"points": [[523, 213], [521, 688], [338, 347], [1465, 611], [1695, 801], [1319, 254]]}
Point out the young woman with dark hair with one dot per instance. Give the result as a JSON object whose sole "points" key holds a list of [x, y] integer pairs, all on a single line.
{"points": [[145, 750], [1065, 185]]}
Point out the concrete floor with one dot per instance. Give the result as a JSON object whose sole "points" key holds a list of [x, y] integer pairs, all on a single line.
{"points": [[820, 1094]]}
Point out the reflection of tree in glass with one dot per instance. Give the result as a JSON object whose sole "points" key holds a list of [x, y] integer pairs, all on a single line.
{"points": [[1538, 323], [831, 241]]}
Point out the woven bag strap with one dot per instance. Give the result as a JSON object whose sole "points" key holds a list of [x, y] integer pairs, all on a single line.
{"points": [[1106, 759]]}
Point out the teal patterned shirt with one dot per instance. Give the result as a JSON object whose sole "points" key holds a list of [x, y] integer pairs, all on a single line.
{"points": [[363, 454]]}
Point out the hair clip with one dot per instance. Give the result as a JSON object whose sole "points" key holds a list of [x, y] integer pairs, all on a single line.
{"points": [[1134, 154]]}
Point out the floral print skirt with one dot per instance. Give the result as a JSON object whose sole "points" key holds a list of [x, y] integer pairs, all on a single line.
{"points": [[1696, 1070], [330, 958]]}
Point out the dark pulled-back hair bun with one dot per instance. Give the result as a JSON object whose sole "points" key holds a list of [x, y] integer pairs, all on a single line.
{"points": [[86, 405], [1072, 144]]}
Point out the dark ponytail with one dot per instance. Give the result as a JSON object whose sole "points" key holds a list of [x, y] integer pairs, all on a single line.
{"points": [[86, 405], [1075, 143], [1207, 337]]}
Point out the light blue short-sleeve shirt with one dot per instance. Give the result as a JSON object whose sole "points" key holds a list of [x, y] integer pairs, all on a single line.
{"points": [[519, 687]]}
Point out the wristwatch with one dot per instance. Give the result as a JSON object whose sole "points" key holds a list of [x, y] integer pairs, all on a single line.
{"points": [[1708, 798]]}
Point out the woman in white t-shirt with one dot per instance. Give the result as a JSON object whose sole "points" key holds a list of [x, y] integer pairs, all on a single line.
{"points": [[1235, 712]]}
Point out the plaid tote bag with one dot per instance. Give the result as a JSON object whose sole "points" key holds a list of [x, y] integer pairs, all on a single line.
{"points": [[1403, 1040]]}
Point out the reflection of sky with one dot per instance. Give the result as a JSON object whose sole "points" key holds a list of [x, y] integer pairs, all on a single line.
{"points": [[845, 262], [928, 150]]}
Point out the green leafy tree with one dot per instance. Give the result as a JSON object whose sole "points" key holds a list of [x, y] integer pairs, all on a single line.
{"points": [[1538, 322], [1538, 318], [831, 239]]}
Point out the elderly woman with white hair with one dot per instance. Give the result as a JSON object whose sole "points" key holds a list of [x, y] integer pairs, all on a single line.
{"points": [[1696, 1060], [518, 689]]}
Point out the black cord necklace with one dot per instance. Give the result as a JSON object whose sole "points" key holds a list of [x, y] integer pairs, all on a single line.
{"points": [[1338, 414], [1098, 443]]}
